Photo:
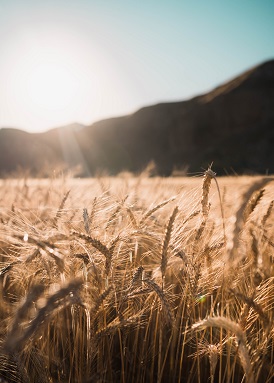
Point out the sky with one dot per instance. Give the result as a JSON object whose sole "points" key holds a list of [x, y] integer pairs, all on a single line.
{"points": [[81, 61]]}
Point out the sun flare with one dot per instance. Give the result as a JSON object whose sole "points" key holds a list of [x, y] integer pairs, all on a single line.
{"points": [[51, 85], [56, 78], [52, 77]]}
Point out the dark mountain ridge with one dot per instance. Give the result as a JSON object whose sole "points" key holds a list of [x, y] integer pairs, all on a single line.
{"points": [[233, 126]]}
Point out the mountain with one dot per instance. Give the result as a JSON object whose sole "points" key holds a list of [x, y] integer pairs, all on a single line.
{"points": [[233, 126], [37, 153]]}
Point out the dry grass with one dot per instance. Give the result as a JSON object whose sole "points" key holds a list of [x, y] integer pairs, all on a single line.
{"points": [[137, 280]]}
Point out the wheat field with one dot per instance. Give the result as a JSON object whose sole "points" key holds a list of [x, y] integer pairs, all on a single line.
{"points": [[137, 279]]}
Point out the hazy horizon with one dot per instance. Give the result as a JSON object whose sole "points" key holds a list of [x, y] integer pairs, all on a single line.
{"points": [[65, 62]]}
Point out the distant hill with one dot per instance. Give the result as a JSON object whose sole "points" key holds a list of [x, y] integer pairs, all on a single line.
{"points": [[233, 126]]}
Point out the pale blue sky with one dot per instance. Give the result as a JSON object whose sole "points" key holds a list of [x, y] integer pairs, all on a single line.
{"points": [[66, 61]]}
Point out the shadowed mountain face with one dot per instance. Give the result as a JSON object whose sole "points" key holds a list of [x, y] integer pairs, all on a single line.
{"points": [[233, 126]]}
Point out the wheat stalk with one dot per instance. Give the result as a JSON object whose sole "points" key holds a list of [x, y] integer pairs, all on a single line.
{"points": [[169, 316]]}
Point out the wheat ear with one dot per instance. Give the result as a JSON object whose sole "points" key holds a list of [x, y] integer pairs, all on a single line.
{"points": [[256, 307], [116, 212], [252, 203], [52, 302], [49, 248], [137, 277], [229, 325], [97, 244], [61, 207], [268, 212], [244, 211], [208, 176], [33, 295], [155, 208], [86, 220], [132, 217], [167, 241]]}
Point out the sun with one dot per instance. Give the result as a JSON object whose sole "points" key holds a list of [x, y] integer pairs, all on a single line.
{"points": [[53, 75], [51, 85], [54, 78]]}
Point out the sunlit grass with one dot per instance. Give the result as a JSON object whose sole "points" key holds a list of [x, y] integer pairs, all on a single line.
{"points": [[135, 280]]}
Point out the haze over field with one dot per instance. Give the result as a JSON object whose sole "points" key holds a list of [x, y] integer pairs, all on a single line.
{"points": [[232, 126], [82, 61]]}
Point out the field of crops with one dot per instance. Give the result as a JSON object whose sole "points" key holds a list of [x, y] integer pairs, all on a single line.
{"points": [[137, 279]]}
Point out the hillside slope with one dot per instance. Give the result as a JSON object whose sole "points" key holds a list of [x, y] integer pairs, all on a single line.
{"points": [[233, 125]]}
